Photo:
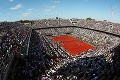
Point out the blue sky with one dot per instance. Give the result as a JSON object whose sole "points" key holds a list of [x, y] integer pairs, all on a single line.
{"points": [[12, 10]]}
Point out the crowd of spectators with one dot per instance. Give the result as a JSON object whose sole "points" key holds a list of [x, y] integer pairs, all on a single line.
{"points": [[92, 24], [43, 54], [100, 25], [103, 42], [47, 60], [97, 61], [12, 36], [52, 23]]}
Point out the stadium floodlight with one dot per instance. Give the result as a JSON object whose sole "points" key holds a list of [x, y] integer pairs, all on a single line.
{"points": [[112, 13]]}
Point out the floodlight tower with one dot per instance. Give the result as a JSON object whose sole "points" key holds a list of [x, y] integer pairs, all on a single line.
{"points": [[112, 13]]}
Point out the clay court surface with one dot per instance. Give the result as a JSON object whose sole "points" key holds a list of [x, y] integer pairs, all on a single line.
{"points": [[72, 45]]}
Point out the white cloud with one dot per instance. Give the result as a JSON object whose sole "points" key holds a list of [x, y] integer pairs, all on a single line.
{"points": [[29, 9], [16, 7], [25, 14], [10, 0], [56, 1], [49, 8]]}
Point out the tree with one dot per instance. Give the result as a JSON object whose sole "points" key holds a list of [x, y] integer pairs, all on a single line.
{"points": [[90, 19]]}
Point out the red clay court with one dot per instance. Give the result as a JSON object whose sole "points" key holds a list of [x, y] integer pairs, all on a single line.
{"points": [[72, 45]]}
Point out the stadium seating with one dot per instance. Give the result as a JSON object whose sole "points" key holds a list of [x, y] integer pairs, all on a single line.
{"points": [[100, 25], [48, 60], [13, 35]]}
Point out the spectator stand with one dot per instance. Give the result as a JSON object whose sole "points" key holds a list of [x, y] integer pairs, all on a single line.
{"points": [[10, 45]]}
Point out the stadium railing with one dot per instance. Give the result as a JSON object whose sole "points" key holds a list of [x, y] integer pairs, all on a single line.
{"points": [[117, 35], [25, 45]]}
